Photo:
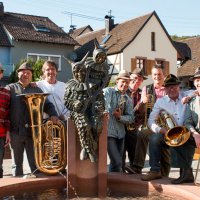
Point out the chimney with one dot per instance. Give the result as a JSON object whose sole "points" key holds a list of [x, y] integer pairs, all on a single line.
{"points": [[109, 24], [1, 9]]}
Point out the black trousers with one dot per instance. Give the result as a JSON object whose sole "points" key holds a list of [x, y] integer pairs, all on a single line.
{"points": [[182, 156], [129, 147]]}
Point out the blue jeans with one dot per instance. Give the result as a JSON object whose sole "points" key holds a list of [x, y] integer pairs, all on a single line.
{"points": [[115, 153], [2, 149], [159, 154]]}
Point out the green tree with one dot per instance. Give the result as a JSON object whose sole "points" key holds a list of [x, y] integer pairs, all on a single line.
{"points": [[37, 67], [178, 38]]}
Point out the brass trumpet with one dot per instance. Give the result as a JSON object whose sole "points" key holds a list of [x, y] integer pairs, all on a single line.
{"points": [[148, 108], [49, 139]]}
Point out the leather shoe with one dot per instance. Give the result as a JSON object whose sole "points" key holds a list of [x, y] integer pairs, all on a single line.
{"points": [[137, 170], [129, 169], [151, 176], [185, 177]]}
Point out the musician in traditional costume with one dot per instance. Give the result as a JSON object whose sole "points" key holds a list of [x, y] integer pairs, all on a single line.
{"points": [[136, 79], [192, 120], [20, 129], [120, 110], [172, 106], [150, 94]]}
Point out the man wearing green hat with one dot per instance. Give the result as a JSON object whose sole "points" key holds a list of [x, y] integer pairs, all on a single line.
{"points": [[20, 130]]}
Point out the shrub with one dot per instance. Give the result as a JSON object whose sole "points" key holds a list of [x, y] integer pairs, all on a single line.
{"points": [[37, 67]]}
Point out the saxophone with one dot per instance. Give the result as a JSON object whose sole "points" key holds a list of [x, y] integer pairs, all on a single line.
{"points": [[176, 135], [49, 139]]}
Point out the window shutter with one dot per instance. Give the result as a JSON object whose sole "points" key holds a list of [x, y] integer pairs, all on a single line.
{"points": [[150, 64], [133, 64], [166, 68]]}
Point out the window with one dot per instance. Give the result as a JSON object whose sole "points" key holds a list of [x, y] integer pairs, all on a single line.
{"points": [[41, 28], [55, 58], [141, 63], [153, 41], [105, 39]]}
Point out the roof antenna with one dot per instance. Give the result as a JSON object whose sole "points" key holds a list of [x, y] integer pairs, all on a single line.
{"points": [[109, 12], [72, 27]]}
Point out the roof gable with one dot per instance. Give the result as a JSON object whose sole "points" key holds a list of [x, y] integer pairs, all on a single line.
{"points": [[121, 35], [21, 27]]}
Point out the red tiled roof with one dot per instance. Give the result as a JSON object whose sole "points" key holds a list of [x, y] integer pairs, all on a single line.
{"points": [[188, 68], [121, 35], [21, 28]]}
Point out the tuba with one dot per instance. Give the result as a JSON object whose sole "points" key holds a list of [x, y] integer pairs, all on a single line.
{"points": [[49, 139], [176, 135]]}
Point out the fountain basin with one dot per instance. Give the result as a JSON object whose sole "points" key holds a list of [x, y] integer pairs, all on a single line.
{"points": [[119, 185]]}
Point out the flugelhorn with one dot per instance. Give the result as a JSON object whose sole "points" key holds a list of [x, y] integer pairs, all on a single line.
{"points": [[176, 135], [49, 139]]}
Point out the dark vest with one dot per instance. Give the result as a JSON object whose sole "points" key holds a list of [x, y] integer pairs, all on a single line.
{"points": [[151, 90]]}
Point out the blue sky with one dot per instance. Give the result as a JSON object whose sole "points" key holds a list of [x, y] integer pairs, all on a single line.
{"points": [[179, 17]]}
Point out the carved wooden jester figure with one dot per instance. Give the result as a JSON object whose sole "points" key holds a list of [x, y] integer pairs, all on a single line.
{"points": [[84, 98]]}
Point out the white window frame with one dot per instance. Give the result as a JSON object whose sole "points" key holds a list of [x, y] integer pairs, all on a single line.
{"points": [[49, 57]]}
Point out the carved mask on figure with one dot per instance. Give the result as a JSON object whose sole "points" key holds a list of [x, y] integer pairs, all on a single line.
{"points": [[79, 72], [99, 54], [79, 69]]}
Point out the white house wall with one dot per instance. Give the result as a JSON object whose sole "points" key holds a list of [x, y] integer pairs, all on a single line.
{"points": [[141, 47], [116, 60]]}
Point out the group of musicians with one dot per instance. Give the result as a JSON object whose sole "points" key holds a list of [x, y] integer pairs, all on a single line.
{"points": [[164, 96], [132, 124]]}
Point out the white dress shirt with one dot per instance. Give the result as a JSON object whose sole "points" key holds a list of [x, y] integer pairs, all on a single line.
{"points": [[175, 108]]}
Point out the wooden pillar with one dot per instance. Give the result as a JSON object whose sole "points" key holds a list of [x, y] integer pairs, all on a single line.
{"points": [[84, 178]]}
